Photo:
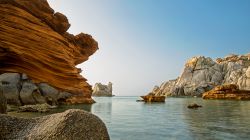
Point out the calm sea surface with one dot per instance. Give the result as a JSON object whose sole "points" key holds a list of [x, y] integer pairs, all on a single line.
{"points": [[127, 119]]}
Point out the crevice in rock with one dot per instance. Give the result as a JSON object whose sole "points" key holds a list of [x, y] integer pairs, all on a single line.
{"points": [[20, 86]]}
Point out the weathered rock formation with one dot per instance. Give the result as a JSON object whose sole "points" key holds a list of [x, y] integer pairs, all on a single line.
{"points": [[230, 91], [102, 90], [20, 90], [71, 124], [201, 74], [34, 41]]}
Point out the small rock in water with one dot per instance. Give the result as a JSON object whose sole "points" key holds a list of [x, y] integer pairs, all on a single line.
{"points": [[153, 98], [193, 106]]}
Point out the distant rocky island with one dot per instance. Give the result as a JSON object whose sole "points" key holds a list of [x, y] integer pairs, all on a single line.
{"points": [[102, 90], [201, 74]]}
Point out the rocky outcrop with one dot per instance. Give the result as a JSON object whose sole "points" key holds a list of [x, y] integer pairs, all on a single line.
{"points": [[230, 91], [71, 124], [20, 90], [102, 90], [34, 41], [201, 74]]}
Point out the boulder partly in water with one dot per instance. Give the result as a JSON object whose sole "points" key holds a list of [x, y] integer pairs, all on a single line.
{"points": [[152, 98]]}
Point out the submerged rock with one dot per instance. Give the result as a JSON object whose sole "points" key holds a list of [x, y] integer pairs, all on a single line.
{"points": [[230, 91], [202, 74], [193, 106], [102, 90], [71, 124], [42, 108]]}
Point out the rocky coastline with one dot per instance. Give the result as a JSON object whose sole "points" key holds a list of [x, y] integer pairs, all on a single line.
{"points": [[201, 74]]}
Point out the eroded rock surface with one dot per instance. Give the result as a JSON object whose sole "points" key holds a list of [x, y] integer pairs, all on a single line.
{"points": [[201, 74], [71, 124], [34, 41]]}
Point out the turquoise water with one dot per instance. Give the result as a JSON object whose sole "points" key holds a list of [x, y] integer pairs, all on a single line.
{"points": [[127, 119]]}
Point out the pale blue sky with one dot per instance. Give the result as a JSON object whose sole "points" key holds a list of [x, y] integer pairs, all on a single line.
{"points": [[146, 42]]}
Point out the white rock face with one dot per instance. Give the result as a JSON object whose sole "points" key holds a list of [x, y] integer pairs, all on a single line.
{"points": [[102, 90], [201, 74]]}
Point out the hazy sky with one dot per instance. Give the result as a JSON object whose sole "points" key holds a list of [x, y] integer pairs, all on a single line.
{"points": [[143, 43]]}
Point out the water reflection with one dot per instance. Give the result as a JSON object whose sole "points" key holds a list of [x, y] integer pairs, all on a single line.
{"points": [[127, 119], [219, 120], [103, 108]]}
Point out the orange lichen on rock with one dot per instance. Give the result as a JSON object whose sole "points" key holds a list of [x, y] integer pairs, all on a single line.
{"points": [[34, 41], [230, 91]]}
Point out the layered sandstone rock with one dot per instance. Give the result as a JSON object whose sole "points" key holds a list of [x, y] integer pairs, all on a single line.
{"points": [[71, 124], [201, 74], [34, 41], [102, 90], [230, 91]]}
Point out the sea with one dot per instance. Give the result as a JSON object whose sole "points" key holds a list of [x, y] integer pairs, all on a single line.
{"points": [[127, 119]]}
